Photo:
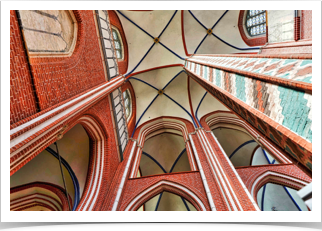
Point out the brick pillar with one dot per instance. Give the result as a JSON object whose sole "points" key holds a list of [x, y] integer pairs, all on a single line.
{"points": [[231, 190], [297, 28]]}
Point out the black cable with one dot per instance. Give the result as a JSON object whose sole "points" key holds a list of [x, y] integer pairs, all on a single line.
{"points": [[62, 173]]}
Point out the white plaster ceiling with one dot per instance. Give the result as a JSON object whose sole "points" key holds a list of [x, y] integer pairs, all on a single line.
{"points": [[162, 106], [226, 29], [139, 43], [209, 103]]}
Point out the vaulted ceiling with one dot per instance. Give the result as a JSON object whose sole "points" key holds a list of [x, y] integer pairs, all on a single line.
{"points": [[153, 66]]}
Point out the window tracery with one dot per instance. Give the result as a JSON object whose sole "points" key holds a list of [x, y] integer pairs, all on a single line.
{"points": [[256, 22]]}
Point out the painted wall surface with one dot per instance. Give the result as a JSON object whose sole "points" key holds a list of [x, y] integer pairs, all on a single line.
{"points": [[164, 148], [74, 148], [30, 197], [43, 168], [280, 25], [233, 142], [276, 198], [259, 158], [168, 202]]}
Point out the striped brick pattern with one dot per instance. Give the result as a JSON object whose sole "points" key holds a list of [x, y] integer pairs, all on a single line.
{"points": [[286, 106]]}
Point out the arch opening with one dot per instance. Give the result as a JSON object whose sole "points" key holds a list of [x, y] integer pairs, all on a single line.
{"points": [[241, 148], [178, 191]]}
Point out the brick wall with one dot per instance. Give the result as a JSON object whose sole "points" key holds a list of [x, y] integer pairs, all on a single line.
{"points": [[306, 24], [190, 180], [60, 78], [250, 174], [22, 96]]}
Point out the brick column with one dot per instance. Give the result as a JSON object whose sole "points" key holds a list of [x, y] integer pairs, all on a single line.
{"points": [[230, 187]]}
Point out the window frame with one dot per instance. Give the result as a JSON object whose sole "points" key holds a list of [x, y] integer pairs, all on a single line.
{"points": [[248, 28], [118, 40]]}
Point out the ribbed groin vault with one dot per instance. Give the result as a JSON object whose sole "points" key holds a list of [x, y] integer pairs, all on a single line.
{"points": [[165, 110]]}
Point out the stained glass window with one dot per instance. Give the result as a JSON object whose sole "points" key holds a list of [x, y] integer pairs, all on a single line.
{"points": [[256, 22], [127, 103], [117, 44]]}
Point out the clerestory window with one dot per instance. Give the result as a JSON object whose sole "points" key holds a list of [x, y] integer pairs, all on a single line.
{"points": [[127, 103], [256, 22], [117, 43]]}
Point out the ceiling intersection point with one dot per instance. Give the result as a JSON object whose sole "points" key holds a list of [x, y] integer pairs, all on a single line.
{"points": [[156, 40]]}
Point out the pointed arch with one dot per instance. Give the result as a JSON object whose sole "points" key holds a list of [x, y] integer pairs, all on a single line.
{"points": [[169, 186], [54, 197], [276, 178], [96, 162]]}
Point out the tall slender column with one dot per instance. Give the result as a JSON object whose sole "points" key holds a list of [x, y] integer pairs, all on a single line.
{"points": [[233, 187]]}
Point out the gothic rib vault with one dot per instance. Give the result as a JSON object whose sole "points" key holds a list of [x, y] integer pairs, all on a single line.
{"points": [[208, 113]]}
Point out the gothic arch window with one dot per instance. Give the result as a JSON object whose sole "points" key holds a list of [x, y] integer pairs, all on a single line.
{"points": [[255, 22], [117, 43], [49, 32], [127, 103]]}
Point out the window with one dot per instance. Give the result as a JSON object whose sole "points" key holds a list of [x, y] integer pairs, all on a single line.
{"points": [[256, 22], [127, 103], [117, 44]]}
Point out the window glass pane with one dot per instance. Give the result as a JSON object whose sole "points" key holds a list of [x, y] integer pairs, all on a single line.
{"points": [[114, 35], [256, 22], [117, 45], [118, 54]]}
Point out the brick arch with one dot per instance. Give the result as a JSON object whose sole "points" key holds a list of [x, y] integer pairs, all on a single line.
{"points": [[275, 178], [208, 121], [168, 186], [57, 190], [254, 175], [174, 123], [176, 120], [255, 41], [98, 139]]}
